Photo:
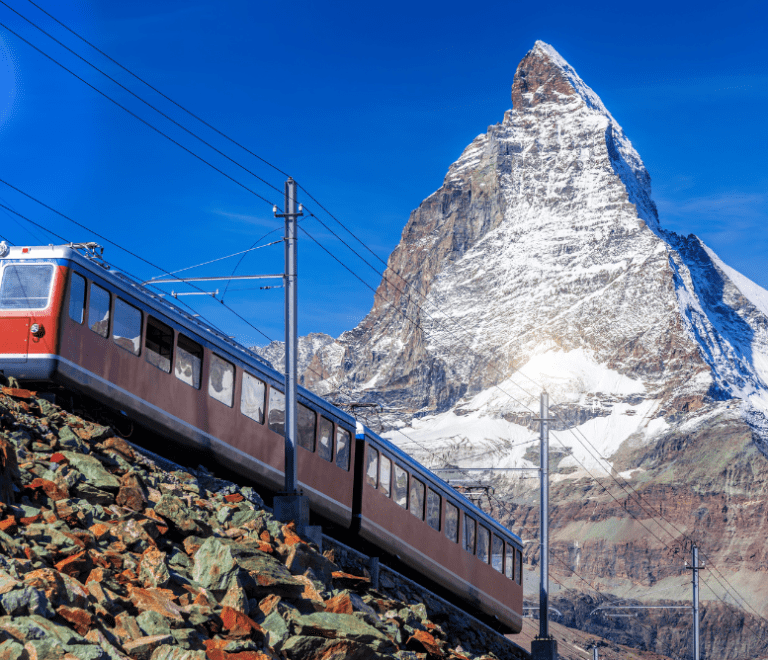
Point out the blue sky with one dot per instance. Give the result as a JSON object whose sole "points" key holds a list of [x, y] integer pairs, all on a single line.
{"points": [[366, 105]]}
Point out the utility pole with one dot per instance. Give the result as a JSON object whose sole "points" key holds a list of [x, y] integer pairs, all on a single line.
{"points": [[292, 505], [594, 652], [544, 647], [291, 338], [696, 568]]}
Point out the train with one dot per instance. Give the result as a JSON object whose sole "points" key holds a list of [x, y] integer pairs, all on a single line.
{"points": [[69, 321]]}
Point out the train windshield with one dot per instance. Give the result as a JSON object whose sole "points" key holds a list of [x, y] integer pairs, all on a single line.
{"points": [[25, 286]]}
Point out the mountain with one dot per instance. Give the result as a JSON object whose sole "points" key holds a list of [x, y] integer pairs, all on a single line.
{"points": [[541, 263]]}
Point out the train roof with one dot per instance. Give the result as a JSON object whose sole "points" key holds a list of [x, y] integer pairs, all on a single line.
{"points": [[89, 256]]}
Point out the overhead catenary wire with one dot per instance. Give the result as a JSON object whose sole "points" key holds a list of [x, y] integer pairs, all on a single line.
{"points": [[154, 89], [229, 256], [133, 114], [145, 102]]}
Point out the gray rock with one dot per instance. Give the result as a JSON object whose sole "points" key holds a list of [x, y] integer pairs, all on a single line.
{"points": [[341, 626], [93, 471], [26, 600], [169, 652], [21, 439], [276, 630], [68, 440], [48, 638], [175, 511], [153, 623], [12, 650]]}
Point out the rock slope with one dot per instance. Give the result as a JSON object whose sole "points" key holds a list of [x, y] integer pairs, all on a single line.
{"points": [[106, 555]]}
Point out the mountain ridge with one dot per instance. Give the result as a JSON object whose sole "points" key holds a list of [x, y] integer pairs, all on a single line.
{"points": [[541, 263]]}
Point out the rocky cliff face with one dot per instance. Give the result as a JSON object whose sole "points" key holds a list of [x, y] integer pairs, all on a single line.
{"points": [[541, 262]]}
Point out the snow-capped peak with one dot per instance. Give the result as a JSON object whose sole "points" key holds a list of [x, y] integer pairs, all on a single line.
{"points": [[545, 50]]}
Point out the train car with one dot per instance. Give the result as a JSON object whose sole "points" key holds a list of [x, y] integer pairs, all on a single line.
{"points": [[68, 319], [408, 511]]}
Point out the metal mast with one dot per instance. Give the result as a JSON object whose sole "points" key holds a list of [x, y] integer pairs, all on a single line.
{"points": [[543, 647], [544, 521], [695, 605], [292, 504], [291, 338]]}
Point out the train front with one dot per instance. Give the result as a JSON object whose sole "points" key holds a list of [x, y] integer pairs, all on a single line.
{"points": [[32, 281]]}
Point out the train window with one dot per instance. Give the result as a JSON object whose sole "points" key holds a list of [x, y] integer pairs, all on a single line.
{"points": [[276, 416], [98, 310], [126, 330], [221, 381], [469, 533], [433, 509], [497, 553], [371, 466], [483, 541], [343, 442], [401, 486], [509, 564], [189, 361], [252, 398], [305, 421], [452, 522], [385, 476], [25, 286], [416, 499], [159, 344], [77, 298], [518, 567], [325, 439]]}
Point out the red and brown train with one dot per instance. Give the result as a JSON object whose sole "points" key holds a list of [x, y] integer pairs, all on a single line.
{"points": [[69, 320]]}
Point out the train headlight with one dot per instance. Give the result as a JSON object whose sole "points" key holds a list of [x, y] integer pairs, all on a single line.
{"points": [[4, 249], [37, 330]]}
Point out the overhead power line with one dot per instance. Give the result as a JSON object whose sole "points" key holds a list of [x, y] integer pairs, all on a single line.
{"points": [[154, 89], [133, 114]]}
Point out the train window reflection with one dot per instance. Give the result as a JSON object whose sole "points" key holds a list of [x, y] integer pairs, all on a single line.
{"points": [[77, 298], [401, 486], [469, 533], [189, 361], [372, 467], [305, 422], [98, 310], [126, 331], [416, 499], [433, 509], [385, 476], [483, 540], [159, 344], [325, 439], [497, 553], [276, 414], [518, 567], [221, 382], [509, 564], [252, 398], [25, 287], [343, 441], [452, 522]]}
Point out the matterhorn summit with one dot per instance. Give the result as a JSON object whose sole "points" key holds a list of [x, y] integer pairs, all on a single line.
{"points": [[541, 262]]}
